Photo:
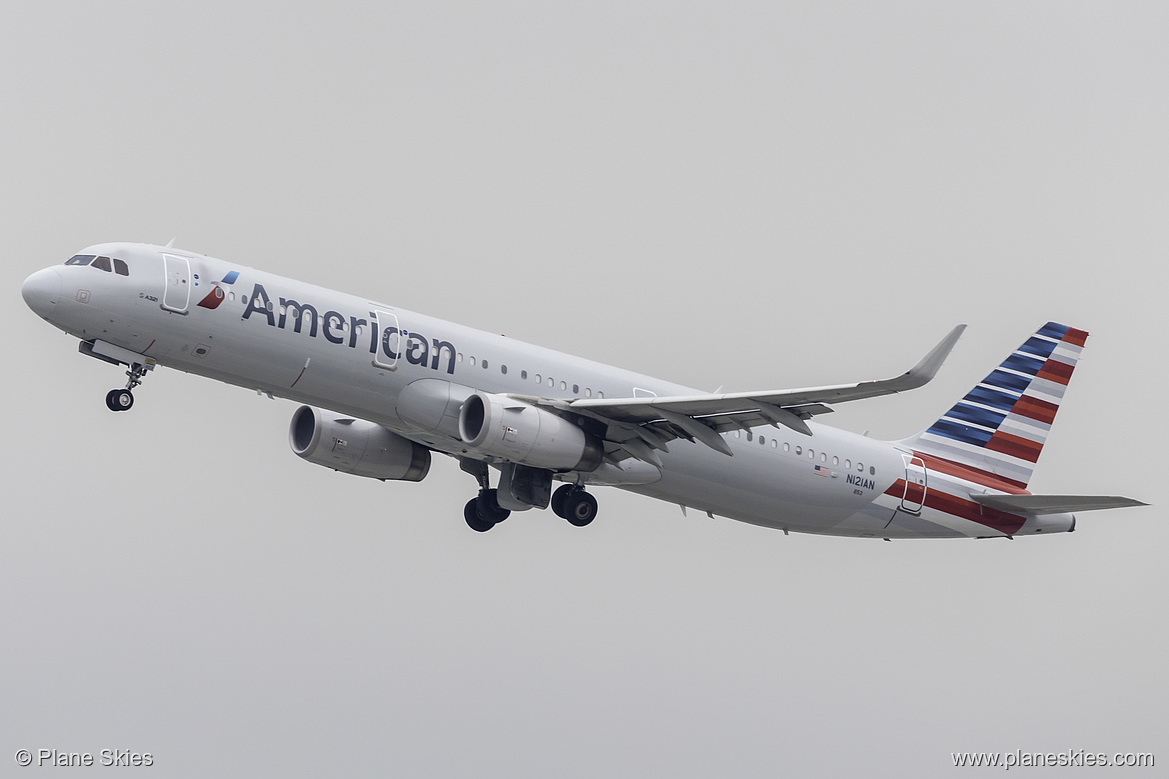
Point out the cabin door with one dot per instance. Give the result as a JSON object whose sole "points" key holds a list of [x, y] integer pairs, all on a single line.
{"points": [[915, 485], [177, 293]]}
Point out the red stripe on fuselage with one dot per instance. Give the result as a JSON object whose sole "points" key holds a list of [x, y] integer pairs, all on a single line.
{"points": [[1023, 448], [1034, 408], [964, 509], [972, 474]]}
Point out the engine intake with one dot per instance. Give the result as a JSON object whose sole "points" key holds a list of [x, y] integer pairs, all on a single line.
{"points": [[356, 446], [519, 432]]}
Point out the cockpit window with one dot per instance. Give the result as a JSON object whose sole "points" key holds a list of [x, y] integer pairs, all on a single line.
{"points": [[80, 259], [102, 263], [120, 267]]}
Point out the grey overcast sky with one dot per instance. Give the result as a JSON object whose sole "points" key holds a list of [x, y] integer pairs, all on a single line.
{"points": [[753, 195]]}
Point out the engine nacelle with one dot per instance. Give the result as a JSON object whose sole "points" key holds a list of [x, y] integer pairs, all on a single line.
{"points": [[356, 446], [512, 430]]}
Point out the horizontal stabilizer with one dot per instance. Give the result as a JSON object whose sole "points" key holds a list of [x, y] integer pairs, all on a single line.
{"points": [[1053, 504]]}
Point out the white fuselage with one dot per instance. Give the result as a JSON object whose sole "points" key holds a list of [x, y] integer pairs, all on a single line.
{"points": [[355, 356]]}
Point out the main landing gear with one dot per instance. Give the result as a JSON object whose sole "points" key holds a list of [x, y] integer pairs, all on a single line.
{"points": [[123, 399], [484, 512], [571, 502]]}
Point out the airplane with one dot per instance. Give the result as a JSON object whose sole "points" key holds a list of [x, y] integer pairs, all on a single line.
{"points": [[384, 388]]}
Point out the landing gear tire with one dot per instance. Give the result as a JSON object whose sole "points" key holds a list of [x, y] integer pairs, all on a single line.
{"points": [[489, 507], [559, 497], [484, 512], [475, 521], [575, 505], [119, 400]]}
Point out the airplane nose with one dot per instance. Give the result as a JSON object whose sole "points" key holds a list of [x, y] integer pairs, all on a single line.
{"points": [[41, 291]]}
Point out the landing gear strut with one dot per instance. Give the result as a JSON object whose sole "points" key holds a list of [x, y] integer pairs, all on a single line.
{"points": [[123, 399], [571, 502]]}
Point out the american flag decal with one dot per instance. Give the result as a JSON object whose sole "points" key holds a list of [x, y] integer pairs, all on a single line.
{"points": [[820, 470]]}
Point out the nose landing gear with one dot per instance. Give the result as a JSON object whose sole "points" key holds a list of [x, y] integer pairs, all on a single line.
{"points": [[123, 399], [139, 364], [119, 400]]}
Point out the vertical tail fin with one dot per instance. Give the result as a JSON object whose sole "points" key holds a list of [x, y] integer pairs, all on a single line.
{"points": [[1000, 426]]}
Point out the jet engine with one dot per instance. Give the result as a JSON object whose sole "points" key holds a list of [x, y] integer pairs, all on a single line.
{"points": [[497, 426], [356, 446]]}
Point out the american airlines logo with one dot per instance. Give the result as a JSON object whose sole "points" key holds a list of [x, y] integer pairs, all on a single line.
{"points": [[386, 340], [217, 295]]}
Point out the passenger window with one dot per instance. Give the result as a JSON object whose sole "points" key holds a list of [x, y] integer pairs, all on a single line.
{"points": [[485, 365], [811, 454], [786, 446], [120, 267], [799, 450], [563, 386], [503, 369], [872, 470], [524, 375], [835, 460], [848, 464], [80, 259], [823, 457], [588, 392], [575, 389], [860, 467], [103, 263]]}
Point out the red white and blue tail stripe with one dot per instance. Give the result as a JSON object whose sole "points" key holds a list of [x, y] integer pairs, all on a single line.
{"points": [[1000, 426]]}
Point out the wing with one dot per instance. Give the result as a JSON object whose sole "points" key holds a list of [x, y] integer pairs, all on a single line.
{"points": [[638, 426]]}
